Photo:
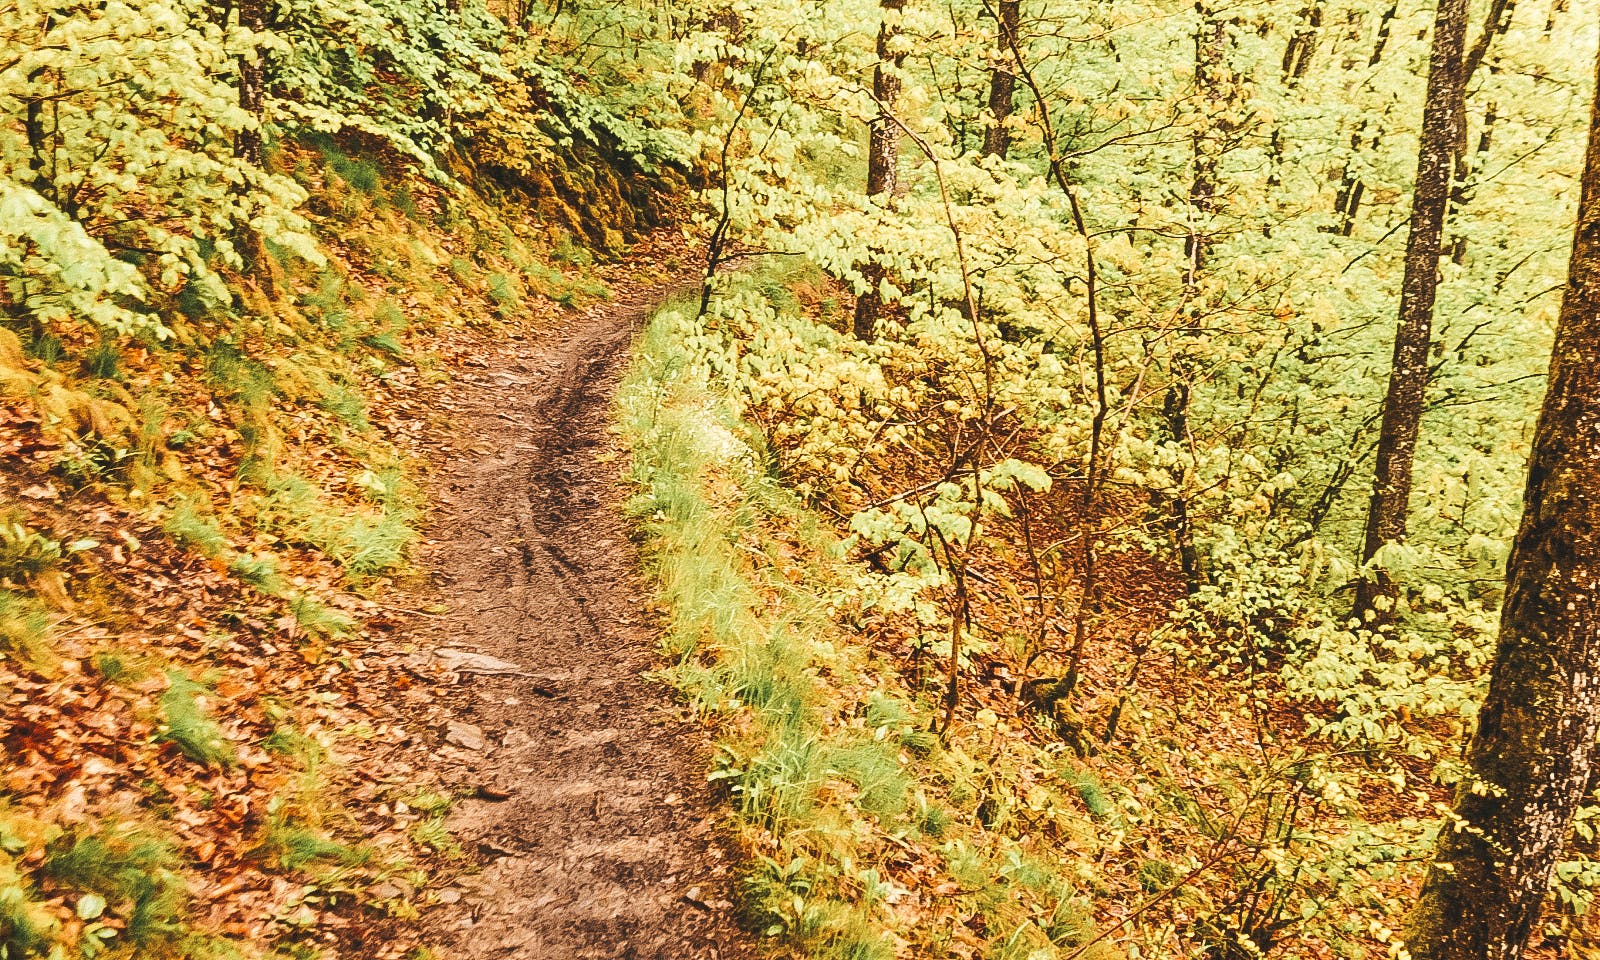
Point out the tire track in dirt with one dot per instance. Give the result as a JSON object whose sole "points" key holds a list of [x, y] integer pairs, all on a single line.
{"points": [[606, 845]]}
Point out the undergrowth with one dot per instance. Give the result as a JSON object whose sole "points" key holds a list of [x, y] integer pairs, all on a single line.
{"points": [[848, 806]]}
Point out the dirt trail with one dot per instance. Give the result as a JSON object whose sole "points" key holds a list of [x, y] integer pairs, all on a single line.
{"points": [[593, 817]]}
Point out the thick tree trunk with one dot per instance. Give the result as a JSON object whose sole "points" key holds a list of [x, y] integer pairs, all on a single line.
{"points": [[1002, 82], [1408, 375], [1531, 756], [1581, 928], [883, 157]]}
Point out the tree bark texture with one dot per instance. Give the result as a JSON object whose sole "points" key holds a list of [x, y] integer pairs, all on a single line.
{"points": [[1532, 753], [1002, 82], [1215, 88], [252, 83], [1408, 374], [883, 157]]}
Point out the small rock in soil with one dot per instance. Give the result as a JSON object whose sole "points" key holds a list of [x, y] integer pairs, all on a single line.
{"points": [[465, 735], [465, 661]]}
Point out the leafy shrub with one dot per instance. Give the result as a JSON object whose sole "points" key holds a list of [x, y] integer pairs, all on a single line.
{"points": [[131, 871], [26, 553], [26, 928]]}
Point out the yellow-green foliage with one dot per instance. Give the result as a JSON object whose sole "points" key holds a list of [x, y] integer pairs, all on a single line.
{"points": [[26, 928], [134, 874], [67, 412], [26, 553], [195, 529]]}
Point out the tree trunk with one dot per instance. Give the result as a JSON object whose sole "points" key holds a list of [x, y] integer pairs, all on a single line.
{"points": [[1347, 199], [1214, 85], [1408, 375], [1581, 928], [1557, 8], [252, 83], [1383, 34], [1302, 44], [726, 22], [33, 129], [1002, 82], [1218, 92], [883, 157], [1495, 24], [1530, 759]]}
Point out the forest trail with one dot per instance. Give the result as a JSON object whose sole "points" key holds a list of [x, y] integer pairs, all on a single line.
{"points": [[591, 815]]}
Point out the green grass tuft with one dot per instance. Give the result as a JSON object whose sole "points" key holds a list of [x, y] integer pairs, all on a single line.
{"points": [[503, 292], [26, 553], [24, 629], [317, 618], [1091, 791], [292, 847], [187, 726], [435, 835], [384, 342], [260, 571], [883, 788], [243, 379], [195, 530], [348, 406], [103, 361], [366, 543]]}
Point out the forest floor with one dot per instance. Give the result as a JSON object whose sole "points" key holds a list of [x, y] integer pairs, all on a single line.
{"points": [[586, 803]]}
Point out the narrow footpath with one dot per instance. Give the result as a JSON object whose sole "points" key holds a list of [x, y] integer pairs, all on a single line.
{"points": [[588, 803]]}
